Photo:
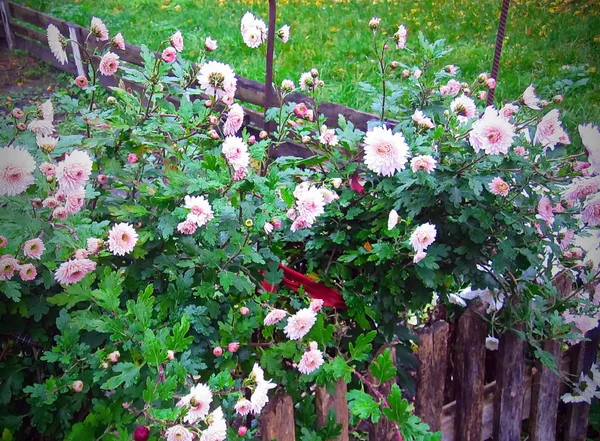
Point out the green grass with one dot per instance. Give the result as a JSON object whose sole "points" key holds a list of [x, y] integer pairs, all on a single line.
{"points": [[542, 37]]}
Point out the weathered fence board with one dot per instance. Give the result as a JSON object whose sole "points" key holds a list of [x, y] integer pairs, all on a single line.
{"points": [[325, 402], [384, 429], [277, 419], [5, 16]]}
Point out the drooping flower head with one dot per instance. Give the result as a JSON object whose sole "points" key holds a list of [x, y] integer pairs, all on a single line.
{"points": [[423, 236], [57, 44], [177, 41], [118, 41], [200, 210], [530, 99], [72, 271], [591, 213], [311, 360], [284, 33], [464, 107], [400, 37], [590, 137], [276, 315], [385, 152], [122, 238], [109, 64], [178, 433], [98, 29], [300, 323], [34, 248], [550, 132], [73, 172], [424, 163], [421, 120], [217, 79], [492, 134], [46, 143], [235, 119], [198, 400], [16, 170], [259, 397], [499, 187]]}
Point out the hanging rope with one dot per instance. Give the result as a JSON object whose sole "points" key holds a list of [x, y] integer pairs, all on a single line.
{"points": [[498, 50]]}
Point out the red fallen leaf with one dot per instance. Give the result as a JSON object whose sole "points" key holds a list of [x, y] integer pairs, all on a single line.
{"points": [[368, 246], [355, 184]]}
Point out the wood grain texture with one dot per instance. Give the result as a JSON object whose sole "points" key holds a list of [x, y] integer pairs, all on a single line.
{"points": [[277, 419], [383, 430], [325, 402]]}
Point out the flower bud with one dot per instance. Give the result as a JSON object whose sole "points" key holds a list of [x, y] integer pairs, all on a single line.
{"points": [[22, 126], [481, 95], [482, 77], [374, 23], [213, 120], [141, 433], [557, 99], [170, 354], [314, 72], [248, 223], [208, 103], [277, 223], [467, 91], [49, 178], [213, 134], [77, 386], [17, 113], [394, 64], [102, 179], [210, 44], [305, 139], [218, 351], [242, 430], [251, 139], [113, 357], [233, 347], [132, 158], [111, 100], [263, 134], [81, 81], [386, 47], [491, 83], [104, 365]]}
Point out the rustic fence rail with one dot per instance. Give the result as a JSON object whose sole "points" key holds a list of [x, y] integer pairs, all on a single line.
{"points": [[480, 411]]}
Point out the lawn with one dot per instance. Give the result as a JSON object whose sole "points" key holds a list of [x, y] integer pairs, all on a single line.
{"points": [[543, 38]]}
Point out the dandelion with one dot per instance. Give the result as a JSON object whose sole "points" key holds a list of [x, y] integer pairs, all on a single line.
{"points": [[122, 238], [300, 323], [57, 43], [72, 271], [385, 152], [499, 187], [98, 29], [73, 172], [311, 360], [109, 64], [217, 79], [34, 248], [16, 170], [423, 236]]}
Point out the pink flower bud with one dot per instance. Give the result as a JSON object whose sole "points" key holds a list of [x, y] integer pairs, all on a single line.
{"points": [[102, 179], [132, 158], [242, 430], [113, 357], [233, 347], [208, 103], [263, 134], [141, 433], [218, 351], [244, 310], [405, 73], [170, 354], [210, 44], [213, 120], [252, 139], [81, 81], [481, 95], [276, 223], [77, 386], [169, 54], [305, 139], [394, 64], [17, 113], [22, 126], [213, 134], [491, 83]]}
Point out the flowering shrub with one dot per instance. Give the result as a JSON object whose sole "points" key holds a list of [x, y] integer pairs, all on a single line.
{"points": [[148, 250]]}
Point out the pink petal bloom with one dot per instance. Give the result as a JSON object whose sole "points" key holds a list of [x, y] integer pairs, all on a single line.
{"points": [[244, 310], [200, 210], [268, 227], [109, 64], [102, 179], [417, 73], [385, 152], [392, 219], [16, 170], [254, 30], [591, 213], [72, 271], [277, 223], [98, 29], [81, 81], [508, 111], [243, 407], [300, 110], [8, 266], [119, 41], [451, 69], [274, 316], [491, 83], [122, 239], [492, 133], [217, 79], [113, 357], [187, 227], [210, 44], [57, 44], [481, 95], [544, 209], [424, 163], [400, 37], [423, 236], [284, 33], [240, 174], [75, 201], [307, 82], [233, 347], [530, 99], [198, 401], [81, 253], [520, 150], [73, 172], [77, 386], [132, 158], [228, 100], [3, 242], [178, 433], [177, 41], [452, 88], [27, 272], [421, 120], [169, 54], [93, 245], [47, 169], [581, 188], [60, 213], [235, 118], [549, 131], [34, 248], [464, 107], [499, 187], [316, 305], [300, 323], [328, 137], [328, 195], [218, 351], [420, 255], [310, 115], [217, 429], [311, 360], [590, 137], [287, 86], [566, 240], [309, 204]]}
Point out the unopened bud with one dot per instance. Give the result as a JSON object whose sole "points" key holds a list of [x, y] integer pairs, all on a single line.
{"points": [[111, 100], [242, 430], [77, 386], [22, 126], [263, 134], [213, 120], [314, 72], [244, 310], [233, 347], [213, 134], [170, 354], [557, 99], [394, 64], [218, 351], [17, 113], [208, 103]]}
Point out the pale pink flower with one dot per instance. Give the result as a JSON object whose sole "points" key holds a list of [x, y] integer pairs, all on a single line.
{"points": [[102, 179], [311, 360], [93, 245], [481, 95], [276, 315], [424, 163], [46, 143], [508, 111], [423, 236], [200, 210], [122, 238], [177, 41], [72, 271], [109, 64], [417, 73], [590, 137], [34, 248], [170, 355], [307, 82], [3, 242], [239, 174], [243, 407], [81, 81], [591, 213], [57, 44], [178, 433], [113, 357], [530, 99], [284, 33], [16, 170], [420, 255], [75, 201], [328, 136], [98, 29], [400, 37], [421, 120], [287, 86], [27, 272], [81, 253], [228, 100], [217, 429], [169, 54], [47, 169], [244, 310], [118, 41], [300, 110], [581, 188], [499, 187], [132, 158], [210, 44], [187, 227], [520, 150], [309, 204], [235, 118], [549, 131], [328, 195], [492, 133], [393, 218], [260, 396], [233, 347], [300, 323], [299, 224], [464, 107], [268, 227], [544, 209], [198, 401], [385, 152], [452, 88], [60, 213], [217, 79], [73, 172], [566, 240], [310, 115], [316, 305], [254, 30], [492, 343], [8, 266], [491, 83], [77, 386], [41, 127]]}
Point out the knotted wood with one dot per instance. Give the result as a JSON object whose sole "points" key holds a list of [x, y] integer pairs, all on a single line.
{"points": [[325, 402], [277, 419]]}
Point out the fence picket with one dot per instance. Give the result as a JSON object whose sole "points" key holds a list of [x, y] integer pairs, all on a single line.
{"points": [[277, 419], [383, 430], [324, 402]]}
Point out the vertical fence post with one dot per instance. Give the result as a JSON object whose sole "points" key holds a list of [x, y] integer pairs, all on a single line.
{"points": [[384, 429], [5, 13], [76, 53], [469, 374], [431, 373], [498, 50], [277, 419], [325, 402], [269, 95]]}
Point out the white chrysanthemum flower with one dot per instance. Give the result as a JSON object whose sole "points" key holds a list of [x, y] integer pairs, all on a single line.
{"points": [[550, 132], [254, 30], [423, 236], [178, 433], [16, 170], [217, 429], [464, 107], [217, 79], [492, 133], [530, 99], [300, 323], [260, 396], [98, 29], [590, 137], [284, 33], [198, 400], [41, 127], [57, 44], [307, 82], [385, 152], [47, 110], [392, 219]]}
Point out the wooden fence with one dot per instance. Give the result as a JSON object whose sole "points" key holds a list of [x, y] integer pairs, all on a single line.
{"points": [[451, 391]]}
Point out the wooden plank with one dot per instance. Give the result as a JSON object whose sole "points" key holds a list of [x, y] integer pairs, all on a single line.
{"points": [[431, 373], [76, 53], [277, 419], [43, 53], [584, 354], [5, 15], [325, 402], [508, 402], [469, 374], [39, 19], [384, 429], [545, 397]]}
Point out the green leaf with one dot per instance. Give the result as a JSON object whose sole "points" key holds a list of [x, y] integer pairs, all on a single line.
{"points": [[179, 342], [12, 290], [154, 350], [360, 350], [398, 410], [363, 405], [128, 375], [383, 367]]}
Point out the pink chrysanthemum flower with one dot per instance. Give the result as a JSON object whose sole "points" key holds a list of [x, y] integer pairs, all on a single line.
{"points": [[311, 360], [72, 271], [492, 134], [464, 107], [423, 236], [34, 248], [122, 238], [16, 170], [508, 111], [400, 37], [217, 79], [309, 203], [550, 132], [75, 201], [328, 195], [198, 401], [544, 209], [93, 245], [590, 137], [98, 29], [210, 44], [119, 41], [316, 305], [109, 64], [393, 219], [235, 118], [268, 227], [169, 54], [81, 253], [421, 120], [27, 272], [178, 433], [41, 127], [81, 81], [581, 188], [521, 151], [274, 316], [530, 99], [8, 266], [499, 187], [60, 213], [420, 255], [424, 163], [385, 152], [243, 407], [567, 239], [187, 227], [452, 88], [177, 41], [328, 137], [591, 213], [200, 210], [57, 44], [73, 172], [300, 323], [47, 169], [3, 242]]}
